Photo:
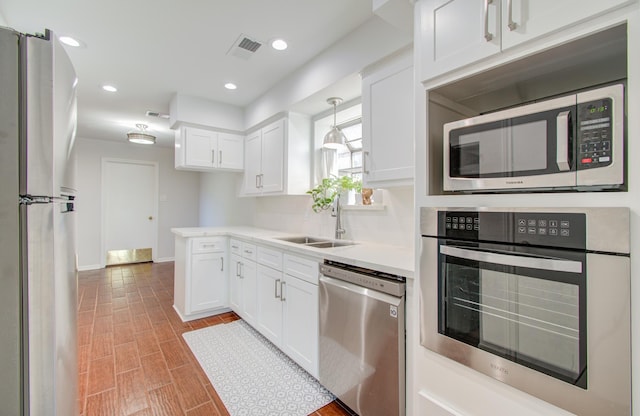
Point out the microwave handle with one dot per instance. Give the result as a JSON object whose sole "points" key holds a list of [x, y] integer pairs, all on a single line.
{"points": [[568, 266], [562, 140]]}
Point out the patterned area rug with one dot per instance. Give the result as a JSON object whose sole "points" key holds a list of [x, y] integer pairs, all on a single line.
{"points": [[251, 375]]}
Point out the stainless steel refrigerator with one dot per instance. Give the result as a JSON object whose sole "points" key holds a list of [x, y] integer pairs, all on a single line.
{"points": [[38, 360]]}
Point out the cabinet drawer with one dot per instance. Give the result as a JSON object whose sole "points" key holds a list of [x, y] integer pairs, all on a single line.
{"points": [[235, 247], [270, 257], [207, 244], [301, 268], [249, 251]]}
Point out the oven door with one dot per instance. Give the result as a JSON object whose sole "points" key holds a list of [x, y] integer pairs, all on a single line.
{"points": [[526, 147], [526, 305]]}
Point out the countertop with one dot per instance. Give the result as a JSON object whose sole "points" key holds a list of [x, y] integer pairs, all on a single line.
{"points": [[385, 258]]}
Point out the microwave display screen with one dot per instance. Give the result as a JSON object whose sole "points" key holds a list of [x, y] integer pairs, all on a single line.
{"points": [[506, 148]]}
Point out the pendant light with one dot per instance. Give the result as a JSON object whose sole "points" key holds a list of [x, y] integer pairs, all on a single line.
{"points": [[141, 136], [334, 139]]}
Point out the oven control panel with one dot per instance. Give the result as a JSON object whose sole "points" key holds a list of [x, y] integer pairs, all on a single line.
{"points": [[529, 228]]}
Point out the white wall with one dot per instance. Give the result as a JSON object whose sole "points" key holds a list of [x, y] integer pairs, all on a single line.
{"points": [[369, 43], [178, 193], [393, 225], [219, 203]]}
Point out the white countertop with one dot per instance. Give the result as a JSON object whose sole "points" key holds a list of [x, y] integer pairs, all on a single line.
{"points": [[385, 258]]}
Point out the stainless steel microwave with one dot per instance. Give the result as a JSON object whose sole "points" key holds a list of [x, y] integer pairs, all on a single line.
{"points": [[574, 142]]}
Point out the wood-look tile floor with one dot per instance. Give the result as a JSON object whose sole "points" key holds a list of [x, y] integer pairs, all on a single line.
{"points": [[132, 357]]}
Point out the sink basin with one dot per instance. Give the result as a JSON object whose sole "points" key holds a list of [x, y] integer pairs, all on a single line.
{"points": [[330, 244], [316, 242], [303, 240]]}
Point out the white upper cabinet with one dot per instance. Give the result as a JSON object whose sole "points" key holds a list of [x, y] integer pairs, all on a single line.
{"points": [[528, 19], [454, 33], [206, 150], [387, 122], [278, 158]]}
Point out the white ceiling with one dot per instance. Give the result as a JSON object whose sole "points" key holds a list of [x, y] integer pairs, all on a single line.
{"points": [[151, 50]]}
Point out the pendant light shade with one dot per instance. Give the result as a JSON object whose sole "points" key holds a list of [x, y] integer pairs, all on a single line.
{"points": [[334, 139], [141, 136]]}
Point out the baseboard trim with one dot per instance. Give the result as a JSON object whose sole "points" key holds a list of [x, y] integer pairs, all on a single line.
{"points": [[89, 267], [165, 260]]}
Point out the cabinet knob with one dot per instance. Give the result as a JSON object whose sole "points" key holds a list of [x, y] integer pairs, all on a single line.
{"points": [[150, 218]]}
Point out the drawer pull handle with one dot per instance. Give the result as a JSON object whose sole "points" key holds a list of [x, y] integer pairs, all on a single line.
{"points": [[282, 284], [277, 283]]}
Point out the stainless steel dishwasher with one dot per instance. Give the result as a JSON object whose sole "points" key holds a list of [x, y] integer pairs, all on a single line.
{"points": [[362, 338]]}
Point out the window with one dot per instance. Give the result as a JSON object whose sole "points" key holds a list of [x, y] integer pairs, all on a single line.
{"points": [[350, 159]]}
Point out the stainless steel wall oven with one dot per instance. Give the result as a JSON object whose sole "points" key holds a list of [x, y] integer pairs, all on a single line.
{"points": [[536, 298]]}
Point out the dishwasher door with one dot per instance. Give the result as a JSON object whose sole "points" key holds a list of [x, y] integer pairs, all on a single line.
{"points": [[362, 347]]}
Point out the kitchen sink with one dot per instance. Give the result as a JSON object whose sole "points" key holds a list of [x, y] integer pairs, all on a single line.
{"points": [[330, 244], [303, 240], [316, 242]]}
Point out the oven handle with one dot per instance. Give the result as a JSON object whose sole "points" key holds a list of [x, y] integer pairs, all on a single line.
{"points": [[568, 266]]}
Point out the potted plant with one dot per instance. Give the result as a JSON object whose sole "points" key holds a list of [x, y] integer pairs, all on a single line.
{"points": [[329, 189]]}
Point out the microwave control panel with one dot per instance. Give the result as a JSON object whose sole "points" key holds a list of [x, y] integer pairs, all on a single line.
{"points": [[594, 125], [567, 230]]}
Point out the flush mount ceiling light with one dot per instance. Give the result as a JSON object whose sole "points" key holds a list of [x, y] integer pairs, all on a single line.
{"points": [[279, 44], [69, 41], [140, 136], [109, 88], [230, 86], [334, 139]]}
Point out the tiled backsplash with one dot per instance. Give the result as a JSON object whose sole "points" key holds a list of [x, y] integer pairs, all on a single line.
{"points": [[392, 225]]}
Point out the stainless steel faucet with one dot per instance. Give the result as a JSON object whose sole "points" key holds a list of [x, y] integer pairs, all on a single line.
{"points": [[336, 213]]}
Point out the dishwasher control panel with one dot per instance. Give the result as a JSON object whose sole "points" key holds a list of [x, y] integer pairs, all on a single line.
{"points": [[371, 279]]}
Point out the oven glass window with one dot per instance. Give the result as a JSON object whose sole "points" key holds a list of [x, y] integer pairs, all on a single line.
{"points": [[533, 320]]}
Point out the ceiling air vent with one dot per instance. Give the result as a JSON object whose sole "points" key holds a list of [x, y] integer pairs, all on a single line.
{"points": [[244, 47]]}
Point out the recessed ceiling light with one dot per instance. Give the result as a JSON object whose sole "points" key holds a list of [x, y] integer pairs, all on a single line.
{"points": [[109, 88], [279, 44], [68, 40], [230, 86]]}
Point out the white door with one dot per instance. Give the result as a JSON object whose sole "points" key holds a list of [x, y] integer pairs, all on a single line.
{"points": [[230, 151], [129, 205], [269, 303], [273, 157], [455, 33], [252, 163], [200, 147], [530, 19]]}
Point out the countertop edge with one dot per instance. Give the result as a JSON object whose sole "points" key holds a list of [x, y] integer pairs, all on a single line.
{"points": [[361, 254]]}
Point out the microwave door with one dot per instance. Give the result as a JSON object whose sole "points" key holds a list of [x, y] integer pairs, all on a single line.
{"points": [[529, 147]]}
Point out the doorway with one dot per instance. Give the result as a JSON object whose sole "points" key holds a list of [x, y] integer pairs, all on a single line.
{"points": [[129, 211]]}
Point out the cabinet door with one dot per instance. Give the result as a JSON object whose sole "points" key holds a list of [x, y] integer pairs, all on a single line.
{"points": [[249, 292], [252, 163], [272, 179], [199, 147], [387, 125], [230, 151], [208, 286], [235, 284], [270, 304], [455, 33], [529, 19], [301, 323]]}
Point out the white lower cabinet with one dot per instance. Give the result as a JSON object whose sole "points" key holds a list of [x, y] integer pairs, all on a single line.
{"points": [[288, 305], [243, 281], [200, 278], [300, 317]]}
